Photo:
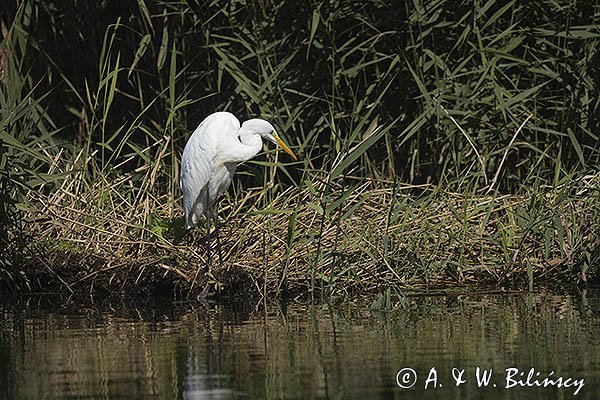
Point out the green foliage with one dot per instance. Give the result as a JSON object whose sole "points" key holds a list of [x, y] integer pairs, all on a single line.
{"points": [[449, 83], [27, 150]]}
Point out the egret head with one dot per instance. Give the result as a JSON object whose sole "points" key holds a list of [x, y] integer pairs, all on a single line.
{"points": [[266, 131]]}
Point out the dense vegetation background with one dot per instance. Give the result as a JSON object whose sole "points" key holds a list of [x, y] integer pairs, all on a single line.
{"points": [[479, 97]]}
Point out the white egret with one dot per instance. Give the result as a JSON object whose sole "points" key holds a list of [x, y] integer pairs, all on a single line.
{"points": [[211, 156]]}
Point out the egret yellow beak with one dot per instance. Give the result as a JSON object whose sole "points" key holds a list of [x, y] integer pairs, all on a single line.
{"points": [[284, 146]]}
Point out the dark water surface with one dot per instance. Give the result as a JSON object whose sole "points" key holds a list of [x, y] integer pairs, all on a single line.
{"points": [[306, 352]]}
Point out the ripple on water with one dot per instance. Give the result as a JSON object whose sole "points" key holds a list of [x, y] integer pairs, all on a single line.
{"points": [[296, 352]]}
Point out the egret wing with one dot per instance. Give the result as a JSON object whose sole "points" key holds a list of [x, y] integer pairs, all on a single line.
{"points": [[199, 162], [195, 175]]}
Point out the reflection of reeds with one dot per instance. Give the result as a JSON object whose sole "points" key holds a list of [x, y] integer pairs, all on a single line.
{"points": [[302, 353], [438, 145]]}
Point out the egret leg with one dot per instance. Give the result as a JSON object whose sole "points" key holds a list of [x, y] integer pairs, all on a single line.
{"points": [[208, 258], [218, 239], [205, 292]]}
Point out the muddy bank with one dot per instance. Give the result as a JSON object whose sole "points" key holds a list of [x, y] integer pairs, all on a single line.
{"points": [[81, 276], [92, 279]]}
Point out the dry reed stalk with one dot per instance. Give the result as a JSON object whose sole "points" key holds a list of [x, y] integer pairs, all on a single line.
{"points": [[425, 241]]}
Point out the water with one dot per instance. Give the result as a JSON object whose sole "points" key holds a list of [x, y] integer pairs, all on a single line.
{"points": [[303, 351]]}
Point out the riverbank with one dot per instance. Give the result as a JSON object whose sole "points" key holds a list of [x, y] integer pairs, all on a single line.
{"points": [[337, 241], [438, 147]]}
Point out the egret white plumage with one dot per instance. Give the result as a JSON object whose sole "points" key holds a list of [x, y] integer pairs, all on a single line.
{"points": [[211, 156]]}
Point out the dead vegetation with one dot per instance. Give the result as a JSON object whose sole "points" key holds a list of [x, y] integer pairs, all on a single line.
{"points": [[362, 238]]}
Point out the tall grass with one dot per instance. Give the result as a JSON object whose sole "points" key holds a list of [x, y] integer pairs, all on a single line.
{"points": [[438, 142]]}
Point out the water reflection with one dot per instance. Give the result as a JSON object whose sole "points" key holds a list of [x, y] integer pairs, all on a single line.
{"points": [[318, 352]]}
